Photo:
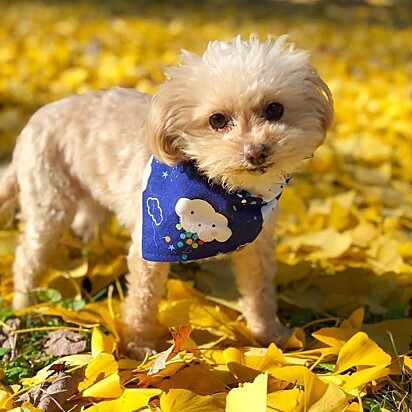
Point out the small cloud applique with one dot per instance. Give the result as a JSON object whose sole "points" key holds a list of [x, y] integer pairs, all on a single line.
{"points": [[154, 210], [198, 216]]}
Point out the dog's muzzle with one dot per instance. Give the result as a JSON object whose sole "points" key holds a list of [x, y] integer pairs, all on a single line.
{"points": [[256, 154]]}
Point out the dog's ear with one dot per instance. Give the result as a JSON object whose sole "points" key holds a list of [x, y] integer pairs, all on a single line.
{"points": [[324, 100], [161, 131]]}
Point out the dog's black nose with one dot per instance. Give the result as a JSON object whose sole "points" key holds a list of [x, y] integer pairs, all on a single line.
{"points": [[256, 154]]}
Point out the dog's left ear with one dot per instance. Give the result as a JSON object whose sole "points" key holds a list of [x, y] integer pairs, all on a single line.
{"points": [[161, 130], [324, 100]]}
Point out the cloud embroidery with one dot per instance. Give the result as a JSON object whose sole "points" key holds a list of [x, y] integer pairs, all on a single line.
{"points": [[154, 210], [198, 216]]}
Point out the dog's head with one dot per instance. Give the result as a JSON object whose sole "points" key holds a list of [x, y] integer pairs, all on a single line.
{"points": [[244, 110]]}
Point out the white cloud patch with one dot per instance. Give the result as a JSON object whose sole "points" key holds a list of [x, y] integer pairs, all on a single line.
{"points": [[154, 210], [198, 216]]}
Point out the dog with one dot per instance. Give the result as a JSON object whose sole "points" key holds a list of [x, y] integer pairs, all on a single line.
{"points": [[243, 115]]}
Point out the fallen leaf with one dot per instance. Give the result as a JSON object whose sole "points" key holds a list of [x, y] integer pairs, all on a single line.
{"points": [[131, 400], [64, 342], [362, 377], [101, 378], [51, 396], [249, 396], [360, 350], [187, 401], [180, 336], [285, 400], [102, 342], [327, 243], [333, 400]]}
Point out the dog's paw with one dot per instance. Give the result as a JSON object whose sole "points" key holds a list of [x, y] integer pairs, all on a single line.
{"points": [[276, 333], [137, 351], [20, 300]]}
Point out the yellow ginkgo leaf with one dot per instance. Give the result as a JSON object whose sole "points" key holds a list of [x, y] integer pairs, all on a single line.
{"points": [[183, 400], [220, 321], [131, 400], [105, 272], [333, 400], [106, 317], [6, 400], [179, 290], [102, 343], [360, 350], [360, 378], [209, 317], [334, 337], [99, 368], [83, 318], [296, 340], [81, 359], [314, 388], [329, 243], [245, 366], [408, 363], [354, 321], [354, 407], [236, 363], [173, 313], [26, 407], [212, 381], [8, 241], [345, 219], [108, 387], [249, 396], [285, 400]]}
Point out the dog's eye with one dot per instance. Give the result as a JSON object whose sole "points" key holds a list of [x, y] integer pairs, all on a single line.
{"points": [[218, 121], [273, 112]]}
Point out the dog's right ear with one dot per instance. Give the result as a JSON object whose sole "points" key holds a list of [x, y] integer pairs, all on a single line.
{"points": [[161, 131]]}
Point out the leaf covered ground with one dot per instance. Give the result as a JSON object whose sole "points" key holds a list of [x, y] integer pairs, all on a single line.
{"points": [[344, 238]]}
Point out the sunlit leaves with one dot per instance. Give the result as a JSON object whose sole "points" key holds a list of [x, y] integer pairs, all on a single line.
{"points": [[360, 350], [344, 233], [249, 396]]}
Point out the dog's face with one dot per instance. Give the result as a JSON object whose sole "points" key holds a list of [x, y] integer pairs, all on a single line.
{"points": [[243, 111]]}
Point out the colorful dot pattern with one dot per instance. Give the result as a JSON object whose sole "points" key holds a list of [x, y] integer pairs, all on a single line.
{"points": [[187, 241]]}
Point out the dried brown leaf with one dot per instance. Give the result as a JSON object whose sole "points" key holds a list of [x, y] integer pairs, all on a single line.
{"points": [[64, 342]]}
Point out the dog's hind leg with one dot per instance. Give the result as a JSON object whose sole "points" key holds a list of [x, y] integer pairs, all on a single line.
{"points": [[47, 202]]}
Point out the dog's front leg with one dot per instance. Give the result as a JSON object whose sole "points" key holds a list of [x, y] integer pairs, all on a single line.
{"points": [[255, 271], [146, 282]]}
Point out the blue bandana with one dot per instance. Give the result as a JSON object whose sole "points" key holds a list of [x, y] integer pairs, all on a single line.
{"points": [[186, 218]]}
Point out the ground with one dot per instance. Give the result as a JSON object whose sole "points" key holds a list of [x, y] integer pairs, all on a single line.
{"points": [[344, 238]]}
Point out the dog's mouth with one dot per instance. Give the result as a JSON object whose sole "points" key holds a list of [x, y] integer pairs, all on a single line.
{"points": [[259, 169], [255, 170]]}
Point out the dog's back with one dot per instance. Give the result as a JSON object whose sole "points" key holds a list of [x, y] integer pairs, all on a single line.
{"points": [[75, 158], [86, 145]]}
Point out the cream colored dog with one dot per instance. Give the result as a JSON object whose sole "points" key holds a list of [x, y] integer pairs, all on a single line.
{"points": [[246, 112]]}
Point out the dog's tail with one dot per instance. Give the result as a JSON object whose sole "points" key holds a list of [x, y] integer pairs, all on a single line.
{"points": [[8, 185]]}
